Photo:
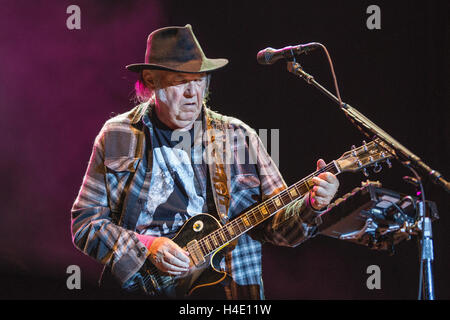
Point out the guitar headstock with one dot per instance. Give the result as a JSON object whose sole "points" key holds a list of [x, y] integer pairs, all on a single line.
{"points": [[369, 154]]}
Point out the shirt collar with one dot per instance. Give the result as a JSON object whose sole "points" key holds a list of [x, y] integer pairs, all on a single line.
{"points": [[141, 111]]}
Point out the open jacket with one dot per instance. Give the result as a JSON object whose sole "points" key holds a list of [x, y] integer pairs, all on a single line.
{"points": [[115, 190]]}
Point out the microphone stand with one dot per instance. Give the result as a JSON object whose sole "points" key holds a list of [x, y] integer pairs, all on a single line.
{"points": [[407, 158]]}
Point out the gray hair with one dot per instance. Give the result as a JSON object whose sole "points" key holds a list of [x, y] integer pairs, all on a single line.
{"points": [[143, 94]]}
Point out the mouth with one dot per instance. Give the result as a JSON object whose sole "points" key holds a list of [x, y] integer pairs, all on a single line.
{"points": [[189, 107]]}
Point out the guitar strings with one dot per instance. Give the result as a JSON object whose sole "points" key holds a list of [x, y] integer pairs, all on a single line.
{"points": [[236, 222], [166, 280]]}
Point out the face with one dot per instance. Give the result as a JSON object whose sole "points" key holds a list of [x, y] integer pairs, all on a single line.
{"points": [[179, 96]]}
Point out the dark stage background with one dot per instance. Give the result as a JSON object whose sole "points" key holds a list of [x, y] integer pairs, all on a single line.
{"points": [[58, 86]]}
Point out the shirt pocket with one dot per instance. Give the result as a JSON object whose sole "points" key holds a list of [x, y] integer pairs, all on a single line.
{"points": [[245, 191], [118, 173], [245, 181]]}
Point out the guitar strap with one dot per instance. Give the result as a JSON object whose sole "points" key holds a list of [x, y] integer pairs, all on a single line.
{"points": [[218, 160]]}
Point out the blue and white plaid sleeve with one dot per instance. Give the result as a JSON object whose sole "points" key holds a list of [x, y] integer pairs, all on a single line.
{"points": [[93, 230]]}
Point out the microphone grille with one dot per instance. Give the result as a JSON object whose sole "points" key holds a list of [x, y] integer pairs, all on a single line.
{"points": [[265, 56]]}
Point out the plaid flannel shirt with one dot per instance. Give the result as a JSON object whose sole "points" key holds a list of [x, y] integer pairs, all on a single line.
{"points": [[120, 167]]}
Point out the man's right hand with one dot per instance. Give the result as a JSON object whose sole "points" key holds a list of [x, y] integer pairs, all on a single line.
{"points": [[168, 257]]}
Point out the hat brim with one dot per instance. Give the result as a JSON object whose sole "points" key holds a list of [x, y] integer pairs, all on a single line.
{"points": [[207, 65]]}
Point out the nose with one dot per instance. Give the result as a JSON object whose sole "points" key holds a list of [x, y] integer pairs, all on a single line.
{"points": [[189, 90]]}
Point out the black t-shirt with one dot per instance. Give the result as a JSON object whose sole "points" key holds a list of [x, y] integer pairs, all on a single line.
{"points": [[177, 189]]}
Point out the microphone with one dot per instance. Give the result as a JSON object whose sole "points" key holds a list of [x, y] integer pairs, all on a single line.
{"points": [[271, 55]]}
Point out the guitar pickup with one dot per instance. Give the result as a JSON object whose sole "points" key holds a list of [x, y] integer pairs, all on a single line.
{"points": [[195, 253]]}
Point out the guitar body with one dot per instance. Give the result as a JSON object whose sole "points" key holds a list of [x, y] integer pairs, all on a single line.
{"points": [[205, 274]]}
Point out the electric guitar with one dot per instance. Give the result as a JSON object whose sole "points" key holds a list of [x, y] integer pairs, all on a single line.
{"points": [[203, 236]]}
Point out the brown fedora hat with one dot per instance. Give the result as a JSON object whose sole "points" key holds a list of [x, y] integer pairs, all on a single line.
{"points": [[176, 49]]}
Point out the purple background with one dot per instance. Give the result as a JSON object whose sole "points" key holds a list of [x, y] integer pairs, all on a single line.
{"points": [[58, 86]]}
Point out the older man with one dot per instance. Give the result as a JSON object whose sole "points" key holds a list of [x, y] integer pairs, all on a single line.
{"points": [[141, 187]]}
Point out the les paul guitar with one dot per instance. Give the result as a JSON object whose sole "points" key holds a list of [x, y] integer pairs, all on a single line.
{"points": [[204, 237]]}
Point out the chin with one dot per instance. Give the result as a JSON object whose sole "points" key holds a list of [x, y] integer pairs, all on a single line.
{"points": [[188, 118], [183, 124]]}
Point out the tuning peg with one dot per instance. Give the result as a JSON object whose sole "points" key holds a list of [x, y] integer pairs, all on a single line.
{"points": [[353, 150], [377, 168], [365, 172], [389, 163], [365, 145]]}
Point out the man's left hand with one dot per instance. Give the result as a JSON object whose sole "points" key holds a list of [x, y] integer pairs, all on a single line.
{"points": [[325, 187]]}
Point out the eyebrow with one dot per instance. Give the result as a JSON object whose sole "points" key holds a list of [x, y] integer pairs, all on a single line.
{"points": [[177, 78]]}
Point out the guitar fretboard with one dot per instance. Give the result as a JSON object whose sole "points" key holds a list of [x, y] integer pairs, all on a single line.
{"points": [[259, 213]]}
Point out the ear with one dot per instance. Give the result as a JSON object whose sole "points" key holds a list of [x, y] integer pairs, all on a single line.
{"points": [[149, 79]]}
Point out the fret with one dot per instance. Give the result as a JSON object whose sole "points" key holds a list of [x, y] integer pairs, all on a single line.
{"points": [[246, 221], [258, 215], [226, 232], [264, 210], [214, 240], [217, 239], [301, 191], [202, 247], [233, 228], [236, 229], [293, 192], [277, 201], [304, 186], [280, 196], [271, 206], [308, 184], [222, 235], [252, 218], [285, 198], [231, 231], [240, 226], [244, 227], [221, 240], [208, 244]]}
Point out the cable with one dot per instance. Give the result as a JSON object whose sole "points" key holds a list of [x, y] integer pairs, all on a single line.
{"points": [[422, 194], [332, 73]]}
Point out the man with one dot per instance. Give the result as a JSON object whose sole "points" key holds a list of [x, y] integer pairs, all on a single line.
{"points": [[141, 186]]}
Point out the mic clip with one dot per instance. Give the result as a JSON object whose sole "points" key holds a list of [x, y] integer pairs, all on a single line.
{"points": [[295, 68]]}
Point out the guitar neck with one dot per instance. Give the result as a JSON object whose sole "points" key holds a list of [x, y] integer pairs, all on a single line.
{"points": [[261, 212]]}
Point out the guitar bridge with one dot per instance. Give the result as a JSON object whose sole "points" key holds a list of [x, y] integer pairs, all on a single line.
{"points": [[195, 253]]}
